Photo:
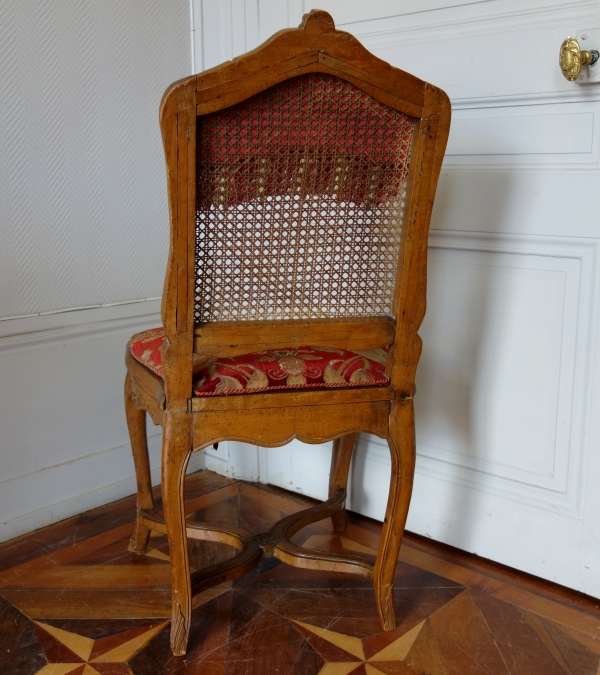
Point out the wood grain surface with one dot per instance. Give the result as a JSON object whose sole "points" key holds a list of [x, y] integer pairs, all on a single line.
{"points": [[75, 600]]}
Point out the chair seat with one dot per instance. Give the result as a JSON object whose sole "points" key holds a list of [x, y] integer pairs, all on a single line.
{"points": [[293, 368]]}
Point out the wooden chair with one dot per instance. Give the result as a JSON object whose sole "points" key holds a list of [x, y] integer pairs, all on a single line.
{"points": [[301, 179]]}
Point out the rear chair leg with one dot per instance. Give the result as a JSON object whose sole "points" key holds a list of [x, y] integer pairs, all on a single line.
{"points": [[177, 448], [338, 476], [136, 423], [401, 440]]}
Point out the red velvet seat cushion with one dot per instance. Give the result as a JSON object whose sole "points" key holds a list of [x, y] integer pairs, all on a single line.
{"points": [[294, 368]]}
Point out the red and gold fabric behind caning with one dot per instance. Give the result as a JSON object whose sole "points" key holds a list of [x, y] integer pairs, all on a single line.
{"points": [[294, 368], [300, 201]]}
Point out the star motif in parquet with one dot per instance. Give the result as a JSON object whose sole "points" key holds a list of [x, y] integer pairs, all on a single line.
{"points": [[347, 655], [93, 608], [72, 654]]}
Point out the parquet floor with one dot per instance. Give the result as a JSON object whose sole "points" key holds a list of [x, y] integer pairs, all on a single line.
{"points": [[73, 601]]}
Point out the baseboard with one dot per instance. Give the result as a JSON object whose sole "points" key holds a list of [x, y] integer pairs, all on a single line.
{"points": [[93, 474], [64, 439]]}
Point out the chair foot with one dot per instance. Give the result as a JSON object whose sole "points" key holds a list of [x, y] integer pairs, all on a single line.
{"points": [[139, 540], [385, 607], [180, 629]]}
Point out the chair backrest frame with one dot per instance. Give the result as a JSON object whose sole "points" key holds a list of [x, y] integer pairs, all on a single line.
{"points": [[315, 47]]}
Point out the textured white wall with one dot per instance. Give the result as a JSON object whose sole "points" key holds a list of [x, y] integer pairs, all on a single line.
{"points": [[83, 207], [83, 222]]}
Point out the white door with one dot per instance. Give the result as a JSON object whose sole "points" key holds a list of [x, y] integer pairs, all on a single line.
{"points": [[508, 402]]}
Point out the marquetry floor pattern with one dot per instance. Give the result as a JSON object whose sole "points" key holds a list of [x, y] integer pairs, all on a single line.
{"points": [[73, 601]]}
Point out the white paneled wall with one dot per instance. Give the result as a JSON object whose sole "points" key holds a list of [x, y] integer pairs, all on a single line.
{"points": [[83, 222], [508, 402]]}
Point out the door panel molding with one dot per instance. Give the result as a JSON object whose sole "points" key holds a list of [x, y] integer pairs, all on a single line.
{"points": [[554, 479]]}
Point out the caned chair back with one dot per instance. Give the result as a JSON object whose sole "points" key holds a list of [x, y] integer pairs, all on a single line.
{"points": [[301, 196], [301, 180]]}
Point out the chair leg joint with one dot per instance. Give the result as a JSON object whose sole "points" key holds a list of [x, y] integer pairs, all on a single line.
{"points": [[268, 542]]}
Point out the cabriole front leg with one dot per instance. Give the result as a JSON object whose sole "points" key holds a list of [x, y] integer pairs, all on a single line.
{"points": [[177, 448], [136, 424], [401, 440]]}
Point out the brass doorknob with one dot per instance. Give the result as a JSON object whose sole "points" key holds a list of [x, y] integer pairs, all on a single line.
{"points": [[572, 57]]}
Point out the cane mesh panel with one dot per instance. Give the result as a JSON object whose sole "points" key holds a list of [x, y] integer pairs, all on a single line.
{"points": [[300, 203]]}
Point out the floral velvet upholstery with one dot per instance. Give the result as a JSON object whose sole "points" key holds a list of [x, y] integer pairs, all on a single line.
{"points": [[294, 368]]}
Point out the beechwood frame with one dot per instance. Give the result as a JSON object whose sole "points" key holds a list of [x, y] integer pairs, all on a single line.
{"points": [[274, 419]]}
